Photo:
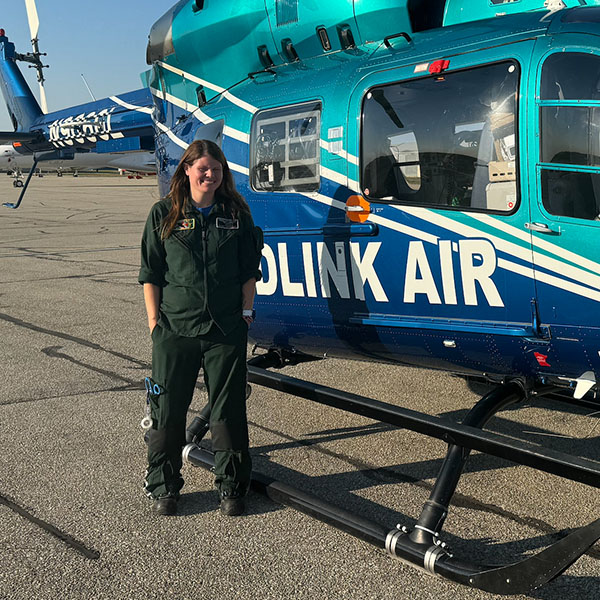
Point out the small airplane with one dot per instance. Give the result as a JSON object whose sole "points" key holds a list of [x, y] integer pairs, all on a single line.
{"points": [[93, 132], [427, 177]]}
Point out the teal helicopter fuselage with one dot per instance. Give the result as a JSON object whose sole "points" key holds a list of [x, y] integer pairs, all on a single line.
{"points": [[428, 188]]}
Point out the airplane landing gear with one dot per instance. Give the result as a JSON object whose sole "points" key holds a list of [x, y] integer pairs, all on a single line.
{"points": [[17, 183]]}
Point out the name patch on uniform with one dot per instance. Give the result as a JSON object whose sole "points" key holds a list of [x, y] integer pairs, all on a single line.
{"points": [[227, 223], [185, 224]]}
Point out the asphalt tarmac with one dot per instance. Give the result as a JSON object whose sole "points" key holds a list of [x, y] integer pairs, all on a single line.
{"points": [[74, 522]]}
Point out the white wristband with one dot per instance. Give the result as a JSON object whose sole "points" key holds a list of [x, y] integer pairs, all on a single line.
{"points": [[248, 312]]}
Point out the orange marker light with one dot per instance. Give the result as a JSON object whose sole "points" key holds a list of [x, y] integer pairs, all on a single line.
{"points": [[357, 209]]}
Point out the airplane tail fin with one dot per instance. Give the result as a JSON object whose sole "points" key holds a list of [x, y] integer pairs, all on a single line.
{"points": [[22, 104]]}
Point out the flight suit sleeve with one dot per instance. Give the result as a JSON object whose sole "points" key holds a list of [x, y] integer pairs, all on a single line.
{"points": [[250, 250], [153, 263]]}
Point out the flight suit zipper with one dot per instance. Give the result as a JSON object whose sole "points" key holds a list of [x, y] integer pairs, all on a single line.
{"points": [[205, 263]]}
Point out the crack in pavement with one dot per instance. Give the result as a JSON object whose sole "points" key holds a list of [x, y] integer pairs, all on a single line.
{"points": [[71, 338]]}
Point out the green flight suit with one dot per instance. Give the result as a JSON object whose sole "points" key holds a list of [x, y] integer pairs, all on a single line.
{"points": [[200, 269]]}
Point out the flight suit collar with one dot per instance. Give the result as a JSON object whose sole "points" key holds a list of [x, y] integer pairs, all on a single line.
{"points": [[218, 210]]}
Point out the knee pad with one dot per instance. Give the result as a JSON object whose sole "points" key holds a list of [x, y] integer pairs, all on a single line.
{"points": [[163, 440], [229, 436]]}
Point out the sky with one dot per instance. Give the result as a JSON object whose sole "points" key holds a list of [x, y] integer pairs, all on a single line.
{"points": [[105, 40]]}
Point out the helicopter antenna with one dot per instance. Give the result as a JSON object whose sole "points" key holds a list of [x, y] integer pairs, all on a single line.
{"points": [[88, 87]]}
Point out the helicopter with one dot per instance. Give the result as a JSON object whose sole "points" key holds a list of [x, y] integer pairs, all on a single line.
{"points": [[427, 176], [115, 131]]}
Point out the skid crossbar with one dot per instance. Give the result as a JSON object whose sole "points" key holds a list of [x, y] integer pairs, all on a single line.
{"points": [[551, 461]]}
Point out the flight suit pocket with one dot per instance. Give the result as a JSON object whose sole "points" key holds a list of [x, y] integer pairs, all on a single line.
{"points": [[227, 252], [180, 258]]}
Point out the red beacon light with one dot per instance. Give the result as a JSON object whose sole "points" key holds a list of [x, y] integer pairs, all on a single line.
{"points": [[437, 66]]}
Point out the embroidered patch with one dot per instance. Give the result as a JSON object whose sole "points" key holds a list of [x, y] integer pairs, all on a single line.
{"points": [[227, 223], [185, 224]]}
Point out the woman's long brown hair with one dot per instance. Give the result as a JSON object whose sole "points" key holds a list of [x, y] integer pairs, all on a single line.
{"points": [[226, 194]]}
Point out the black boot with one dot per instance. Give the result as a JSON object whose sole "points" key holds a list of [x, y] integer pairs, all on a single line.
{"points": [[165, 505], [232, 503]]}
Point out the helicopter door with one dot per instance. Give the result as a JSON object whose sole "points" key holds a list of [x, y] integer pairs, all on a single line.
{"points": [[565, 219], [439, 164]]}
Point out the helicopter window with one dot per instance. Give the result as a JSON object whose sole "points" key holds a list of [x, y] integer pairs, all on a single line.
{"points": [[285, 151], [446, 141], [571, 76], [570, 135], [571, 194]]}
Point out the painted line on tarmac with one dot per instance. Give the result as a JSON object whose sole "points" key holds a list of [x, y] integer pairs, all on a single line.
{"points": [[69, 540]]}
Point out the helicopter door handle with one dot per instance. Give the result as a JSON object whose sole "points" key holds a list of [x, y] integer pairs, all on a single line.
{"points": [[541, 228]]}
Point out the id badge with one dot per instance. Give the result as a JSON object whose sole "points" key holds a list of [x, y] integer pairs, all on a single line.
{"points": [[227, 223]]}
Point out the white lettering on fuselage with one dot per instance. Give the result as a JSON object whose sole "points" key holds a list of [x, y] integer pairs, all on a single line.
{"points": [[322, 272], [477, 264], [85, 125], [329, 270]]}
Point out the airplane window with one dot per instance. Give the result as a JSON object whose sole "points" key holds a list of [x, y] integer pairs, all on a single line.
{"points": [[285, 151], [570, 135], [446, 141]]}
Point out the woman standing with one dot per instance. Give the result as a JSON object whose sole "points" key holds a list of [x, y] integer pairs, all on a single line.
{"points": [[200, 259]]}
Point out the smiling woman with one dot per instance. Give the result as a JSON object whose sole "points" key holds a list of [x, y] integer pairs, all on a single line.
{"points": [[200, 257], [205, 175]]}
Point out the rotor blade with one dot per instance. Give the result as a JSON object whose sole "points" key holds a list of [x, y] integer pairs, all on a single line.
{"points": [[43, 103], [32, 17]]}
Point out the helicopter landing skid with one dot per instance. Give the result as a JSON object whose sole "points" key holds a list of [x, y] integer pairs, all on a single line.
{"points": [[422, 546]]}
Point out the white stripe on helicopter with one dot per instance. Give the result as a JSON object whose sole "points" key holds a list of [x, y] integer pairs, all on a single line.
{"points": [[233, 99], [198, 114], [233, 166], [341, 153], [583, 262], [445, 222], [552, 264], [142, 109]]}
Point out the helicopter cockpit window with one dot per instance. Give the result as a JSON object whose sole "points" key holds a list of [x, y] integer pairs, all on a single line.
{"points": [[285, 149], [570, 135], [445, 141]]}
